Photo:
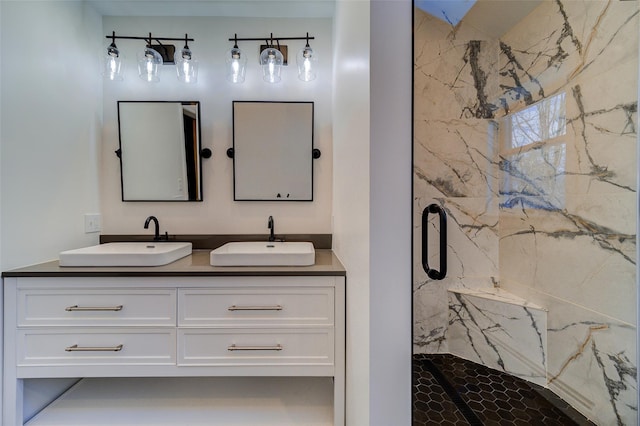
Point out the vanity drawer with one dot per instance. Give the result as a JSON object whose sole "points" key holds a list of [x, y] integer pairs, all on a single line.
{"points": [[250, 347], [42, 347], [96, 307], [256, 307]]}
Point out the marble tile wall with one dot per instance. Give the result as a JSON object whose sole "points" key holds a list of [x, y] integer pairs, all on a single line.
{"points": [[499, 330], [455, 166], [541, 199]]}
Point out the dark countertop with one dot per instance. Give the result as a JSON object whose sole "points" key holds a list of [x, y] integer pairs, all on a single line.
{"points": [[195, 265]]}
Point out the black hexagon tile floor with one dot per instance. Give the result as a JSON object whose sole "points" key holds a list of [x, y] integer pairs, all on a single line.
{"points": [[448, 390]]}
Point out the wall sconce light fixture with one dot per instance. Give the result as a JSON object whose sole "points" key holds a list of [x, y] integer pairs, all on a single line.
{"points": [[306, 60], [112, 67], [273, 56], [236, 63], [150, 59], [186, 66], [271, 60]]}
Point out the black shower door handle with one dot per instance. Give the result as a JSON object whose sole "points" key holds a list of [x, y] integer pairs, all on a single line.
{"points": [[432, 273]]}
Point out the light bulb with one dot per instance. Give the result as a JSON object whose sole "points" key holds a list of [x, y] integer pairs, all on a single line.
{"points": [[186, 66], [272, 65], [307, 61], [271, 60], [149, 63], [236, 65], [113, 67]]}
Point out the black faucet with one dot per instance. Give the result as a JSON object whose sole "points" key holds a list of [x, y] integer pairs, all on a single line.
{"points": [[272, 229], [157, 236]]}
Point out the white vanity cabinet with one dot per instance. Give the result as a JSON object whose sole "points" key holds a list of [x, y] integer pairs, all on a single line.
{"points": [[171, 327]]}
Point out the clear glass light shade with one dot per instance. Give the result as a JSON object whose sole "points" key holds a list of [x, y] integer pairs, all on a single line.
{"points": [[307, 64], [271, 62], [113, 68], [186, 66], [236, 65], [149, 63]]}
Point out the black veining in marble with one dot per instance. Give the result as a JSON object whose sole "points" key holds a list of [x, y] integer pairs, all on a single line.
{"points": [[471, 231], [516, 90], [457, 181], [566, 32], [602, 236], [597, 171], [459, 310], [484, 109], [535, 327], [624, 367], [533, 194], [436, 336]]}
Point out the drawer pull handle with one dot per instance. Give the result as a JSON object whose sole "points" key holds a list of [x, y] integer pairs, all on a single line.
{"points": [[233, 347], [76, 348], [255, 308], [92, 308]]}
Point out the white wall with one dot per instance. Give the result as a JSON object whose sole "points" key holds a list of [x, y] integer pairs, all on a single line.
{"points": [[50, 119], [1, 293], [1, 60], [218, 213], [372, 203], [51, 115], [390, 205], [351, 191]]}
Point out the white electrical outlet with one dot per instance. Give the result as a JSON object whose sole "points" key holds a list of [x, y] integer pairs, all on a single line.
{"points": [[92, 223]]}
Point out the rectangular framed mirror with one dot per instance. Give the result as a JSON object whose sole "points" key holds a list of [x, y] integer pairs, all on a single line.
{"points": [[272, 151], [160, 150]]}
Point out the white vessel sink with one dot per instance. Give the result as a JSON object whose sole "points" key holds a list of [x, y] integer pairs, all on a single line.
{"points": [[263, 253], [126, 254]]}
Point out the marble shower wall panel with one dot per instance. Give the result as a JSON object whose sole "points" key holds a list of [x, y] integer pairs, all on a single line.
{"points": [[584, 254], [452, 78], [602, 132], [580, 248], [430, 318], [573, 250], [472, 262], [593, 363], [456, 158], [590, 359], [455, 165], [560, 41], [587, 58], [510, 337]]}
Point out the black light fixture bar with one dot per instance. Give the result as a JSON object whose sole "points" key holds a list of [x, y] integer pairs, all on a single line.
{"points": [[271, 38], [158, 39]]}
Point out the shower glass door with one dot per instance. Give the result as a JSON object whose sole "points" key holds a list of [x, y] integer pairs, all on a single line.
{"points": [[525, 118]]}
